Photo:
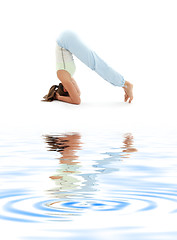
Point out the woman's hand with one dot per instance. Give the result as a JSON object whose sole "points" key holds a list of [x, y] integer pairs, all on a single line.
{"points": [[57, 95]]}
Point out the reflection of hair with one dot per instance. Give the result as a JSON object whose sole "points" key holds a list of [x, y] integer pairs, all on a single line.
{"points": [[56, 143], [52, 91]]}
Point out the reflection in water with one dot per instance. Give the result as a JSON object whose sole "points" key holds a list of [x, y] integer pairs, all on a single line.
{"points": [[128, 145], [92, 180], [75, 182], [67, 145]]}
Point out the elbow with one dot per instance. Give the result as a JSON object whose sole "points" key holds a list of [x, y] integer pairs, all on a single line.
{"points": [[77, 102]]}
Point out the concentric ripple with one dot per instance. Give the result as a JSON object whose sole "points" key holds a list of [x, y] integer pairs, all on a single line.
{"points": [[23, 207], [50, 210], [16, 208]]}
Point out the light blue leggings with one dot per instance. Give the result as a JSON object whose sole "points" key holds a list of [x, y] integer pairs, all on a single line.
{"points": [[72, 43]]}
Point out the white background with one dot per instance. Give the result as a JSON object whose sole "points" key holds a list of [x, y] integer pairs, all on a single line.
{"points": [[138, 38]]}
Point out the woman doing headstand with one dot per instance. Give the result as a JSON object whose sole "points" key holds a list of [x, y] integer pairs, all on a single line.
{"points": [[68, 91]]}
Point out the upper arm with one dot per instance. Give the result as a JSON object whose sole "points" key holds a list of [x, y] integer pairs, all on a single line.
{"points": [[76, 86], [73, 93], [65, 78]]}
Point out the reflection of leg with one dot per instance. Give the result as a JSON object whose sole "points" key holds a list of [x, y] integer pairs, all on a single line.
{"points": [[71, 42], [128, 144]]}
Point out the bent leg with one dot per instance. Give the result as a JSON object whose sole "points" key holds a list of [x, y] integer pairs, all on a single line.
{"points": [[71, 42]]}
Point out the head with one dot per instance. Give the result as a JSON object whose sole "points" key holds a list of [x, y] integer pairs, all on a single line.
{"points": [[52, 91], [62, 91]]}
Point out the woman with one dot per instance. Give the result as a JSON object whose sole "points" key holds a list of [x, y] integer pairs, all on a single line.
{"points": [[68, 91]]}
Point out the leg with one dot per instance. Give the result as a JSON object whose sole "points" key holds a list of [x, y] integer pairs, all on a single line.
{"points": [[71, 42]]}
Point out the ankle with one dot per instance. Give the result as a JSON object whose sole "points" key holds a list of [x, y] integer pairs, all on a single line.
{"points": [[127, 84]]}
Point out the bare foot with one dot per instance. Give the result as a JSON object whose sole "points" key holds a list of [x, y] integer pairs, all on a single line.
{"points": [[128, 88]]}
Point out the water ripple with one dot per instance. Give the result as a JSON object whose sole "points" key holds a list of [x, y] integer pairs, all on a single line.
{"points": [[73, 178], [59, 209]]}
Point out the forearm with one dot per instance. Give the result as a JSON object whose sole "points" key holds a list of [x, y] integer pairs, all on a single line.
{"points": [[66, 99]]}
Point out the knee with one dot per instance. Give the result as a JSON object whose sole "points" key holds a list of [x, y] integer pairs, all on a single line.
{"points": [[66, 36]]}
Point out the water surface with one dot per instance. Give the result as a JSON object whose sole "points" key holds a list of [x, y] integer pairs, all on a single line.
{"points": [[85, 186]]}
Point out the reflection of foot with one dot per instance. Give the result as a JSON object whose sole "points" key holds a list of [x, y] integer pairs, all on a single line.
{"points": [[130, 150], [128, 88], [56, 177]]}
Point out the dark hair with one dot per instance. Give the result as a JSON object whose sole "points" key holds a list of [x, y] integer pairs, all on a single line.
{"points": [[61, 90], [56, 143], [52, 91]]}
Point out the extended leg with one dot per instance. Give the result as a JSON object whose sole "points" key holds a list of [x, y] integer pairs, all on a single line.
{"points": [[71, 42]]}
